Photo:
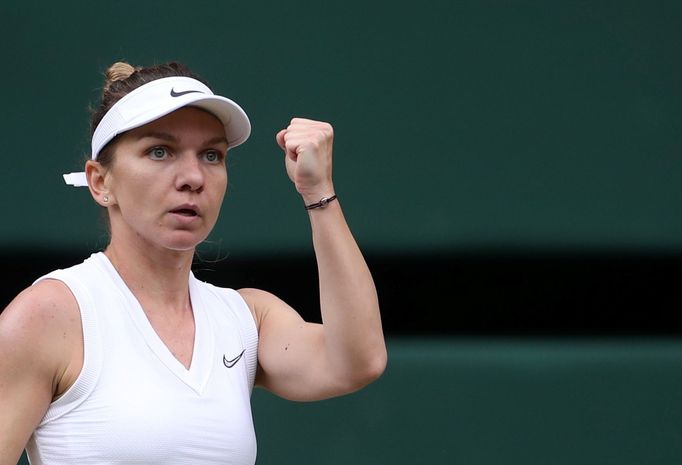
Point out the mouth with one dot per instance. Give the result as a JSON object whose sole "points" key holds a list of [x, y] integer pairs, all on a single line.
{"points": [[185, 211]]}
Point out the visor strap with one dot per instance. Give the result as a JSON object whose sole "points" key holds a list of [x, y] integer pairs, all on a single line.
{"points": [[76, 179]]}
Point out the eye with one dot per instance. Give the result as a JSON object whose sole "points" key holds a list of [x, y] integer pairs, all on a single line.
{"points": [[158, 153], [213, 156]]}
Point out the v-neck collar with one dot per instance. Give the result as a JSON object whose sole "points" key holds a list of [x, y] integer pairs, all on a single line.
{"points": [[199, 371]]}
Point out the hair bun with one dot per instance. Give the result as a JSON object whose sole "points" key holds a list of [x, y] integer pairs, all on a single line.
{"points": [[118, 72]]}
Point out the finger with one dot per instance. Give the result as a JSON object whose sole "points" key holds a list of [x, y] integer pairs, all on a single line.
{"points": [[291, 149], [280, 138], [306, 122], [315, 136]]}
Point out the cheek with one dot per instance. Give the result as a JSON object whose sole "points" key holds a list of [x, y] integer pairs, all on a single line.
{"points": [[218, 195], [221, 184], [225, 183], [138, 198]]}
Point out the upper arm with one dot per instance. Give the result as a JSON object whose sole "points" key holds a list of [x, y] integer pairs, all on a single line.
{"points": [[292, 362], [40, 339]]}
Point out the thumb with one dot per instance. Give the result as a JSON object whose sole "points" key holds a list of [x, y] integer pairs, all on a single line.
{"points": [[280, 139], [283, 145]]}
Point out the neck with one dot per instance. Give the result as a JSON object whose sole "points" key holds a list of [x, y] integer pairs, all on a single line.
{"points": [[153, 275]]}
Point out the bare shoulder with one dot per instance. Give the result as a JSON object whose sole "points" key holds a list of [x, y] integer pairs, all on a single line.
{"points": [[255, 297], [260, 302], [44, 307], [42, 326], [41, 352]]}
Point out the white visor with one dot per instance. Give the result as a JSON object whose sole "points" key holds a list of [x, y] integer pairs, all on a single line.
{"points": [[158, 98]]}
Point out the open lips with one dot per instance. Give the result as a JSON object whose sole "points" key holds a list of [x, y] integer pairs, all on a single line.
{"points": [[186, 210]]}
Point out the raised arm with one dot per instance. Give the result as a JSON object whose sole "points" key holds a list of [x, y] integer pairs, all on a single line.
{"points": [[306, 361]]}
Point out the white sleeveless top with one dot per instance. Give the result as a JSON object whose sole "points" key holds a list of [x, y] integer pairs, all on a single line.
{"points": [[134, 402]]}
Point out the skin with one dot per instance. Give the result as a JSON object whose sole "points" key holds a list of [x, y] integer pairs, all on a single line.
{"points": [[161, 170]]}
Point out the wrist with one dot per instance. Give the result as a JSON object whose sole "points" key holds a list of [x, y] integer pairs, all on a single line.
{"points": [[322, 203], [314, 195]]}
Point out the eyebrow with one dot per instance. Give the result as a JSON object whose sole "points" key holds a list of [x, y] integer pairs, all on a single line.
{"points": [[158, 135], [216, 140], [171, 138]]}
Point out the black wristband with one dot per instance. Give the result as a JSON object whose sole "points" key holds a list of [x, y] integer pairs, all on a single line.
{"points": [[321, 204]]}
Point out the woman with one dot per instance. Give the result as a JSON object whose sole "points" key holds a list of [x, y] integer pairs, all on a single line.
{"points": [[127, 358]]}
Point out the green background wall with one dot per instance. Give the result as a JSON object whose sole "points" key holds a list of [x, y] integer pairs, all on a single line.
{"points": [[460, 124], [489, 402]]}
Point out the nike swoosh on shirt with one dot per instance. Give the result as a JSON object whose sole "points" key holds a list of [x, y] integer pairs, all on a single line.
{"points": [[233, 362], [178, 94]]}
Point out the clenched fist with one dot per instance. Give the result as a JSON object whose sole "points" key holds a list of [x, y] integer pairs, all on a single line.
{"points": [[307, 146]]}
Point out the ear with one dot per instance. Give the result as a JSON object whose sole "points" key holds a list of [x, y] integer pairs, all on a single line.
{"points": [[98, 182]]}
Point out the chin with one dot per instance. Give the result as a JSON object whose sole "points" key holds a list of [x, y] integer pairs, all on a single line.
{"points": [[181, 248], [187, 242]]}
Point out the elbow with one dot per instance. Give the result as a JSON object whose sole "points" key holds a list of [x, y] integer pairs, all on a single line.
{"points": [[369, 371], [377, 366]]}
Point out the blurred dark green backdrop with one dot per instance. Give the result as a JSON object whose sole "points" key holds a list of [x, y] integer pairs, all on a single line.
{"points": [[508, 166], [459, 123]]}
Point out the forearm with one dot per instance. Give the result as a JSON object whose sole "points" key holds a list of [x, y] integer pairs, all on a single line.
{"points": [[348, 350], [354, 342]]}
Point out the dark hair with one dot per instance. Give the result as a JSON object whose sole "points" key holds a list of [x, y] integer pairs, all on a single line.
{"points": [[121, 79]]}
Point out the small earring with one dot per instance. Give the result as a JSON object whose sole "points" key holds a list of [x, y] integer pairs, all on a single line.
{"points": [[106, 198]]}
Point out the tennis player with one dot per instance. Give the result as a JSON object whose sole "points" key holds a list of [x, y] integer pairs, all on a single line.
{"points": [[127, 357]]}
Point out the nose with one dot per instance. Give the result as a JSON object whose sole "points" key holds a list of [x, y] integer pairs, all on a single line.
{"points": [[190, 174]]}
